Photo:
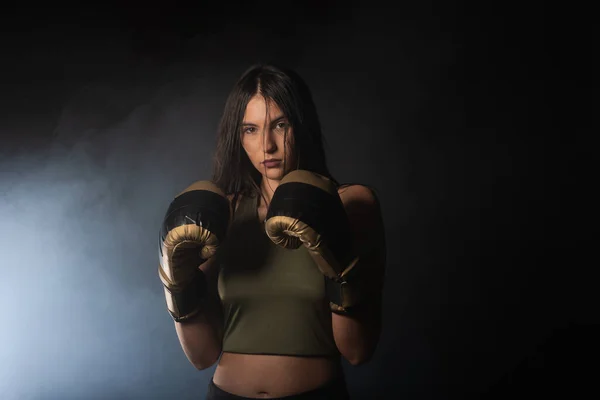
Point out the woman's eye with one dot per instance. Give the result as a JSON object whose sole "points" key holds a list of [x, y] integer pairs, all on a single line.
{"points": [[249, 130], [281, 125]]}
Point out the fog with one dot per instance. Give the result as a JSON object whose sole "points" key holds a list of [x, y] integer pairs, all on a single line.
{"points": [[102, 127]]}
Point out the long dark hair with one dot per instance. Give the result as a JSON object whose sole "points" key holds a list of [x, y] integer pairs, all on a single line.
{"points": [[232, 170]]}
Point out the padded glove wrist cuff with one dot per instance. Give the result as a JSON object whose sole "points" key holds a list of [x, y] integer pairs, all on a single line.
{"points": [[345, 292], [184, 302]]}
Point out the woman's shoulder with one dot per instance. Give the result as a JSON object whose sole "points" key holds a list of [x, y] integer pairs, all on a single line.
{"points": [[361, 205], [235, 199], [364, 214], [357, 192]]}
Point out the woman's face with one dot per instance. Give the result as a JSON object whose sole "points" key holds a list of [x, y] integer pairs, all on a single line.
{"points": [[264, 136]]}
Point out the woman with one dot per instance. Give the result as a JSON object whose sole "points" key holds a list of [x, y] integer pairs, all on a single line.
{"points": [[275, 312]]}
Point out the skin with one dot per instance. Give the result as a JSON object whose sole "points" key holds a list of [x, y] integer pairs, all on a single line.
{"points": [[266, 376], [262, 137]]}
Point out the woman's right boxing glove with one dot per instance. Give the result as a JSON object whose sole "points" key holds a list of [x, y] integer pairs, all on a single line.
{"points": [[193, 228]]}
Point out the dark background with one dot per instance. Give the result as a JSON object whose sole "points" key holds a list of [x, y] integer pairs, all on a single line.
{"points": [[468, 120]]}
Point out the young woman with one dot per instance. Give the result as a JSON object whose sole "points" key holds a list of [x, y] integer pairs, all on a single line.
{"points": [[291, 263]]}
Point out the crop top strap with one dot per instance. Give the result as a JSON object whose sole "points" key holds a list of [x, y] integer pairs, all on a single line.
{"points": [[246, 208]]}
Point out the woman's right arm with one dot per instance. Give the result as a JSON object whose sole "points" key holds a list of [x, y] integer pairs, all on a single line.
{"points": [[201, 336]]}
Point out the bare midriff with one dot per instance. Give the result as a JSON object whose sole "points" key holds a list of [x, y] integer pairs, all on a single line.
{"points": [[268, 376]]}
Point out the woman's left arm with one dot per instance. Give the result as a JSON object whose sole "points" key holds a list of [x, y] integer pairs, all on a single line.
{"points": [[357, 334]]}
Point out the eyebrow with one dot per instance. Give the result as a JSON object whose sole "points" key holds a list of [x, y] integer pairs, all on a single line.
{"points": [[274, 121]]}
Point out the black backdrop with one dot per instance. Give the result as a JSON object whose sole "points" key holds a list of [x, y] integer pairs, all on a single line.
{"points": [[465, 118]]}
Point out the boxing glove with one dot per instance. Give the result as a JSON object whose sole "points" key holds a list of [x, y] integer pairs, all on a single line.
{"points": [[306, 210], [194, 226]]}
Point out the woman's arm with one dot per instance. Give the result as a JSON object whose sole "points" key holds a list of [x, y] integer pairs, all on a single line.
{"points": [[201, 336], [357, 335]]}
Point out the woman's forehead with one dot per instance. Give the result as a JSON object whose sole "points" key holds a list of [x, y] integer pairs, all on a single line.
{"points": [[258, 107]]}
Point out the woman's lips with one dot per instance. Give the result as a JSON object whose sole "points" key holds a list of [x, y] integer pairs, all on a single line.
{"points": [[271, 163]]}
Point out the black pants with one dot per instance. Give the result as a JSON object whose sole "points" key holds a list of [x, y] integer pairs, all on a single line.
{"points": [[333, 390]]}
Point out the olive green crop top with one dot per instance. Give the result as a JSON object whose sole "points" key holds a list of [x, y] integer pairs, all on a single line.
{"points": [[273, 298]]}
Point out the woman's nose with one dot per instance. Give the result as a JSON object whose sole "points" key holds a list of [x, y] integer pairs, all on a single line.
{"points": [[269, 143]]}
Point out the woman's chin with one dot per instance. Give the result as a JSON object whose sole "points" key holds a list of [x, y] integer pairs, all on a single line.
{"points": [[273, 173]]}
